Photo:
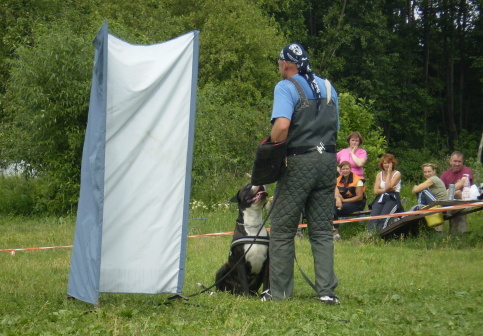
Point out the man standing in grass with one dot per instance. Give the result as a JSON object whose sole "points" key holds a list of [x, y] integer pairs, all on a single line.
{"points": [[305, 111], [456, 172]]}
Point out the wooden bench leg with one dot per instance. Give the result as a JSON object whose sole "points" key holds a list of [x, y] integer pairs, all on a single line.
{"points": [[457, 224]]}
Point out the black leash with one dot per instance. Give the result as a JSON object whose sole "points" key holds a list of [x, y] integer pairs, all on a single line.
{"points": [[305, 275], [186, 297], [205, 289]]}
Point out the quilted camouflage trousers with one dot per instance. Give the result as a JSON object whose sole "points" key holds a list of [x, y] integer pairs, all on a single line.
{"points": [[307, 183]]}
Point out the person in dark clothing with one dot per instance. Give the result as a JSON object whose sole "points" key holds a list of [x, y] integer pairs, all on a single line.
{"points": [[305, 112], [350, 190]]}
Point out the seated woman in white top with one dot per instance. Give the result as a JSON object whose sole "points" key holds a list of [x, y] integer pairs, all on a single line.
{"points": [[386, 188]]}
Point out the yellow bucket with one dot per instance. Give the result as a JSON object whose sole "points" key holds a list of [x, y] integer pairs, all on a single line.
{"points": [[434, 219]]}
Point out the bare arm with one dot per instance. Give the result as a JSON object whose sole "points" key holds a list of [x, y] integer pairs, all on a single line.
{"points": [[420, 187], [360, 162], [279, 129], [392, 179], [460, 184], [338, 199]]}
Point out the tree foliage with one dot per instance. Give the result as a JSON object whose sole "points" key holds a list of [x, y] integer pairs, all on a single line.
{"points": [[409, 73], [45, 114]]}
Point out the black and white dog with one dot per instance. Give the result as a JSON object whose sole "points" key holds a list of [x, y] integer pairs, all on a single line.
{"points": [[252, 271]]}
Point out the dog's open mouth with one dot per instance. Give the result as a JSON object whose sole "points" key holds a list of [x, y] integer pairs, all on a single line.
{"points": [[259, 195]]}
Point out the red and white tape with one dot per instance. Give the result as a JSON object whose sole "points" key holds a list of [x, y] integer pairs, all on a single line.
{"points": [[12, 251], [359, 219]]}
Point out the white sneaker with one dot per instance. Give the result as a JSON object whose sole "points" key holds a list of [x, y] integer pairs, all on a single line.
{"points": [[266, 296], [337, 237], [330, 300]]}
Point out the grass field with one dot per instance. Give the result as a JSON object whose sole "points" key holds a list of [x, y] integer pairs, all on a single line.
{"points": [[430, 285]]}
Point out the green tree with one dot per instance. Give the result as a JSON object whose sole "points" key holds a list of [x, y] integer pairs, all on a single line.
{"points": [[48, 55], [45, 108], [47, 91], [419, 61], [238, 71], [416, 66]]}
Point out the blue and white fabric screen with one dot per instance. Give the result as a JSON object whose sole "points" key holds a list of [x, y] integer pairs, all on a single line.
{"points": [[132, 238]]}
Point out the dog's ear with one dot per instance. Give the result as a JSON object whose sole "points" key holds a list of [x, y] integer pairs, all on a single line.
{"points": [[234, 199]]}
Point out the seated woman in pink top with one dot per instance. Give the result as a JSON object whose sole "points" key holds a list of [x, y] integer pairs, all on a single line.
{"points": [[356, 156]]}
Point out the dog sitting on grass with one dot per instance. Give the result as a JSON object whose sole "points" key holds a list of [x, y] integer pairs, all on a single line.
{"points": [[246, 276]]}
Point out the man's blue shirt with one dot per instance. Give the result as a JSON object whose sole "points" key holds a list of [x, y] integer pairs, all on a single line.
{"points": [[286, 96]]}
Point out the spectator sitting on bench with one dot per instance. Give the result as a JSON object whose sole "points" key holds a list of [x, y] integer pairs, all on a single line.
{"points": [[456, 172], [350, 192], [433, 189], [387, 186]]}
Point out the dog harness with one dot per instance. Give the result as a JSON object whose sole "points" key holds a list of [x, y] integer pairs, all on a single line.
{"points": [[250, 240]]}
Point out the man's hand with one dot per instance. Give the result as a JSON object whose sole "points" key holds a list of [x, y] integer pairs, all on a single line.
{"points": [[338, 202]]}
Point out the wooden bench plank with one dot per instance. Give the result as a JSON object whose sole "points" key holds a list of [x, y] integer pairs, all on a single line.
{"points": [[357, 214], [411, 224]]}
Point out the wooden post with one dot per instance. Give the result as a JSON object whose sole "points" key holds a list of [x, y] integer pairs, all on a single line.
{"points": [[457, 224]]}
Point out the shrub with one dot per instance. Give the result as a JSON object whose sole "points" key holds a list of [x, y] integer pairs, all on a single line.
{"points": [[17, 195]]}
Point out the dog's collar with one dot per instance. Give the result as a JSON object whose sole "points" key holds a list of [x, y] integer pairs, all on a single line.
{"points": [[243, 224]]}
